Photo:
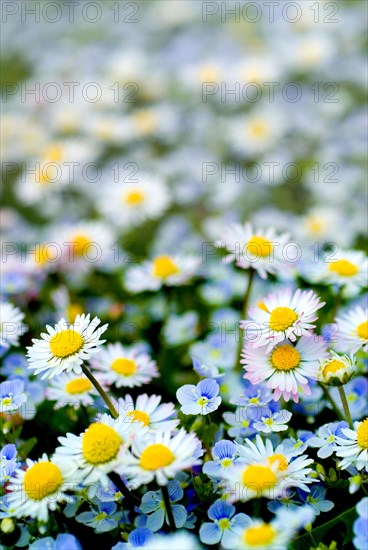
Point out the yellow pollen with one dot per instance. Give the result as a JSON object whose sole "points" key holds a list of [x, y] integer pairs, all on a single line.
{"points": [[258, 129], [259, 536], [224, 523], [78, 385], [65, 343], [282, 318], [259, 246], [134, 197], [80, 244], [333, 366], [254, 400], [344, 268], [139, 416], [163, 267], [100, 443], [281, 459], [42, 479], [363, 434], [156, 456], [256, 477], [126, 367], [226, 462], [362, 330], [285, 357]]}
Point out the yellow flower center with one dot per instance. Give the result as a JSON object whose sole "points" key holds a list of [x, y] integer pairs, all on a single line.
{"points": [[344, 268], [258, 129], [42, 479], [134, 197], [285, 357], [363, 434], [259, 246], [224, 523], [145, 121], [280, 459], [53, 153], [226, 462], [101, 516], [315, 225], [163, 267], [362, 330], [139, 416], [209, 73], [282, 318], [259, 536], [78, 385], [100, 443], [124, 366], [80, 244], [44, 254], [333, 366], [156, 456], [66, 343], [258, 476]]}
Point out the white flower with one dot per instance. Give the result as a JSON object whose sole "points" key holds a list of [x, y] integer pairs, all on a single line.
{"points": [[353, 330], [283, 316], [99, 450], [285, 368], [41, 487], [354, 449], [149, 411], [11, 326], [346, 269], [161, 457], [124, 367], [162, 270], [336, 370], [65, 347], [257, 248], [71, 389]]}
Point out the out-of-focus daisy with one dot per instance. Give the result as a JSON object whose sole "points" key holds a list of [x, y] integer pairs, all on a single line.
{"points": [[69, 389], [336, 370], [353, 447], [257, 248], [124, 367], [346, 269], [283, 316], [100, 448], [353, 330], [200, 399], [257, 132], [149, 411], [130, 204], [285, 368], [12, 395], [65, 347], [255, 533], [11, 326], [161, 457], [162, 270], [41, 487]]}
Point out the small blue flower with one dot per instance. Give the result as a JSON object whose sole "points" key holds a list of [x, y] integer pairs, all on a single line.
{"points": [[64, 541], [200, 399], [181, 329], [12, 395], [138, 538], [240, 424], [316, 498], [326, 437], [360, 527], [15, 365], [356, 393], [299, 445], [207, 371], [224, 524], [102, 519], [153, 505], [216, 350], [273, 422], [8, 463], [224, 454]]}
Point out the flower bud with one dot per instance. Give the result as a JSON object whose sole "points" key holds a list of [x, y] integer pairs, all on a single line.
{"points": [[336, 370]]}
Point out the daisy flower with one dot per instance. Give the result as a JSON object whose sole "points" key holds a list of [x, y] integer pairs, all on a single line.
{"points": [[255, 533], [257, 248], [124, 367], [41, 487], [353, 330], [11, 326], [69, 389], [130, 204], [346, 269], [336, 370], [149, 411], [200, 399], [161, 457], [162, 270], [283, 316], [65, 347], [285, 368], [353, 448], [99, 450]]}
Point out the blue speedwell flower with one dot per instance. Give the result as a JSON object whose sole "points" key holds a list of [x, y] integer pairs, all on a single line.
{"points": [[138, 538], [200, 399], [325, 438], [224, 523], [316, 498], [153, 504], [103, 518], [8, 463], [224, 454], [12, 395], [360, 526], [64, 541]]}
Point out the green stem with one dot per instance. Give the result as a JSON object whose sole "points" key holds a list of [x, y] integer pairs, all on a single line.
{"points": [[345, 405], [105, 397], [119, 483], [332, 401], [170, 515], [244, 312]]}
